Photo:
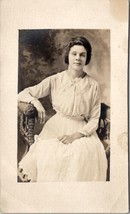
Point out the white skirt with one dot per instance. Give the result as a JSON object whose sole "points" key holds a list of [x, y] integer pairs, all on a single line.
{"points": [[50, 160]]}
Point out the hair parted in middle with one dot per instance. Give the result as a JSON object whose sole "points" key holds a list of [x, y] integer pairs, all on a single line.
{"points": [[78, 41]]}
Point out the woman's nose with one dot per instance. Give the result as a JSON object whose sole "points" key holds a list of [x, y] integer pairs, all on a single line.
{"points": [[77, 56]]}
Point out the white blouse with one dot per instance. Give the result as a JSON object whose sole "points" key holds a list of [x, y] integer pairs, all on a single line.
{"points": [[80, 100]]}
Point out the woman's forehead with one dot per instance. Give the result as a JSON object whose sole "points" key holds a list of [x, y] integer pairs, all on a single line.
{"points": [[78, 48]]}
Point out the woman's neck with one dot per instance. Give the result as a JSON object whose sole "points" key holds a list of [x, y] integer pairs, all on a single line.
{"points": [[75, 74]]}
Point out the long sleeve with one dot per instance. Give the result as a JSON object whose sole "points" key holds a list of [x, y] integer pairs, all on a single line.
{"points": [[35, 92], [92, 124]]}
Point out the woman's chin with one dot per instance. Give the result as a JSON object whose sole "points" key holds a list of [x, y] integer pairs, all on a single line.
{"points": [[78, 68]]}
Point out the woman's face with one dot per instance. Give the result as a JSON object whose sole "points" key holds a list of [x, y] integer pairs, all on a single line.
{"points": [[77, 57]]}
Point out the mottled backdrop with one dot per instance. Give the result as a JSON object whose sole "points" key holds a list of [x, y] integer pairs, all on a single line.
{"points": [[41, 54]]}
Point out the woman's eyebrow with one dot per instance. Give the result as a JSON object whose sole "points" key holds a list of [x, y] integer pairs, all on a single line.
{"points": [[78, 52]]}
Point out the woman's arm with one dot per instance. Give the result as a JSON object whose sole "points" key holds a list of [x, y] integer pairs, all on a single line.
{"points": [[35, 92], [92, 125], [32, 94]]}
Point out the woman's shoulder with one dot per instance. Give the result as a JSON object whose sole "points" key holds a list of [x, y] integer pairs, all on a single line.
{"points": [[54, 76], [92, 81], [58, 75]]}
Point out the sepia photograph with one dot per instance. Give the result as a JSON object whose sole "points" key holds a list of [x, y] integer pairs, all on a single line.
{"points": [[64, 105]]}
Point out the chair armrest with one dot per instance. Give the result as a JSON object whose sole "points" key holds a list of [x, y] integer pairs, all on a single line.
{"points": [[103, 132], [27, 115]]}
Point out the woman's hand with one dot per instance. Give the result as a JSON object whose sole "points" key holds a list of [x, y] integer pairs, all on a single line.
{"points": [[40, 109], [66, 139]]}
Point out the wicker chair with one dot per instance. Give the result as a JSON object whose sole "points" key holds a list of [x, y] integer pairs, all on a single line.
{"points": [[27, 128]]}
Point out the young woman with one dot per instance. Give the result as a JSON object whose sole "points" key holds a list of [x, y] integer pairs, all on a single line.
{"points": [[68, 148]]}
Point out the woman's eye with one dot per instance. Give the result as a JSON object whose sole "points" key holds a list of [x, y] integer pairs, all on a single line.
{"points": [[74, 54], [83, 55]]}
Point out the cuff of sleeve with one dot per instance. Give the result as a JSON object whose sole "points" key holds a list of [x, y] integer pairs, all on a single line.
{"points": [[33, 99], [24, 96], [84, 133]]}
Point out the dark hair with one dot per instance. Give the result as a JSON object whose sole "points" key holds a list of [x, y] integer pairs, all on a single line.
{"points": [[79, 41]]}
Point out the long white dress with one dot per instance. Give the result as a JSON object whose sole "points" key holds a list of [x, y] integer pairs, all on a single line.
{"points": [[77, 107]]}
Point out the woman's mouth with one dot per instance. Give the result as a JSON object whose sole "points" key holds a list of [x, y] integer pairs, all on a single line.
{"points": [[77, 63]]}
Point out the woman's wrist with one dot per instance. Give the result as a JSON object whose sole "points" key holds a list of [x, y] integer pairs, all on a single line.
{"points": [[33, 101], [79, 135]]}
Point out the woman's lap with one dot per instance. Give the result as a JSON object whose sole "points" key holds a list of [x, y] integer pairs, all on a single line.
{"points": [[84, 159]]}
